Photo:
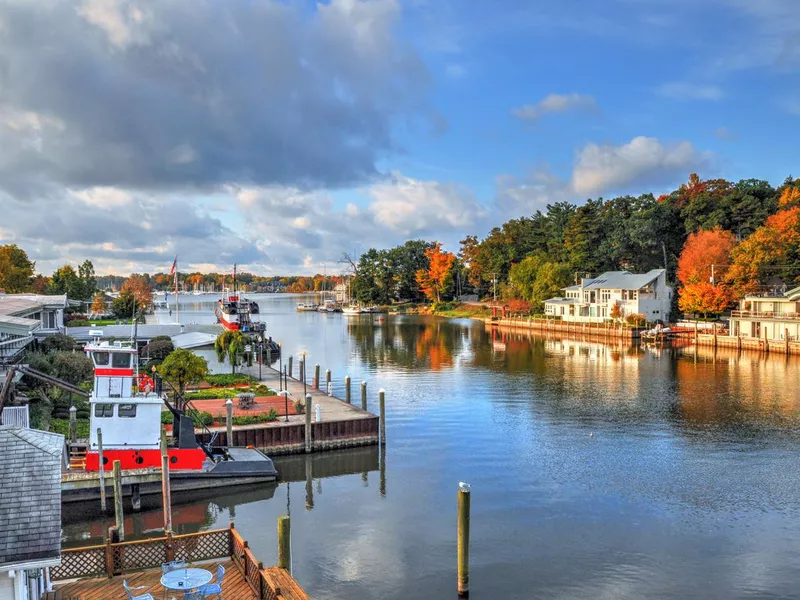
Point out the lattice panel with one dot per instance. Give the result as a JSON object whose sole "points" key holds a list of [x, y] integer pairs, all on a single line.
{"points": [[141, 555], [238, 553], [202, 546], [251, 571], [82, 562]]}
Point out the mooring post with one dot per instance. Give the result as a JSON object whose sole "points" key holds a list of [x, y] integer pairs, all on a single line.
{"points": [[328, 388], [269, 356], [382, 473], [291, 372], [301, 365], [382, 413], [463, 539], [308, 423], [73, 424], [284, 543], [316, 376], [363, 395], [119, 517], [309, 482], [347, 389], [103, 505], [136, 497], [229, 421], [166, 493]]}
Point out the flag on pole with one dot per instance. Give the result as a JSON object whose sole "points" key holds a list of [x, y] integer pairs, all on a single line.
{"points": [[174, 265]]}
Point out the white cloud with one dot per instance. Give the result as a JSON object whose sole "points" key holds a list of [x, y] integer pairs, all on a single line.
{"points": [[683, 90], [455, 71], [600, 168], [555, 103], [122, 22], [103, 197]]}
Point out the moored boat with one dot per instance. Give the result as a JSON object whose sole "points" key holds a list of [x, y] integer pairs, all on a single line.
{"points": [[307, 307]]}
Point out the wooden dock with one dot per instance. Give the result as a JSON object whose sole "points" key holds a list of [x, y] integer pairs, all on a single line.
{"points": [[604, 330], [97, 572]]}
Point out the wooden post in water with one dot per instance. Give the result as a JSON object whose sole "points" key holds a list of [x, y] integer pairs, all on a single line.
{"points": [[308, 424], [301, 368], [229, 421], [269, 356], [347, 397], [328, 382], [382, 405], [284, 543], [166, 493], [103, 505], [316, 376], [363, 395], [786, 336], [291, 372], [73, 424], [119, 517], [463, 539]]}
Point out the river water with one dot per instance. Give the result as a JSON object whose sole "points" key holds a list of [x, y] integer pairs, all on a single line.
{"points": [[597, 471]]}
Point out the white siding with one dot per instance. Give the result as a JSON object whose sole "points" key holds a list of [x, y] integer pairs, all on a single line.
{"points": [[6, 587]]}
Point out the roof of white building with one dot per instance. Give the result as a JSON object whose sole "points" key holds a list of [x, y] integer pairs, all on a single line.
{"points": [[559, 300], [621, 280], [20, 304]]}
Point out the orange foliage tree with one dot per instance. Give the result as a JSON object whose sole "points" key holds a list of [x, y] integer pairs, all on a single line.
{"points": [[140, 288], [705, 297], [790, 196], [703, 249], [616, 311], [433, 279]]}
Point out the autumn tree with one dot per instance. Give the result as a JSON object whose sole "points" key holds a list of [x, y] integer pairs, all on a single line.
{"points": [[616, 311], [140, 288], [704, 297], [433, 280], [16, 270], [98, 304], [703, 249]]}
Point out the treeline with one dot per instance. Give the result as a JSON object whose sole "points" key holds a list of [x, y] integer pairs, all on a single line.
{"points": [[531, 258]]}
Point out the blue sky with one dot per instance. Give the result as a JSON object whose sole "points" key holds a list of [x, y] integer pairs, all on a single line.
{"points": [[278, 134]]}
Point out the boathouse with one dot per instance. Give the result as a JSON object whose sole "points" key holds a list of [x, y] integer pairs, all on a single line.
{"points": [[30, 510], [592, 300]]}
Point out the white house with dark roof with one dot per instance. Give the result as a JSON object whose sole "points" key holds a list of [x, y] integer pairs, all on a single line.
{"points": [[593, 299], [30, 510]]}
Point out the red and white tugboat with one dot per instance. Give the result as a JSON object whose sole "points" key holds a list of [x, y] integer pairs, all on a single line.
{"points": [[234, 311], [131, 426]]}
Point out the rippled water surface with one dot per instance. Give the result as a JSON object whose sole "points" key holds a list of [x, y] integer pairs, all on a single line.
{"points": [[598, 471]]}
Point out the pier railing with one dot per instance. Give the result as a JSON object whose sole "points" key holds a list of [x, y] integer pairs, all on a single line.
{"points": [[752, 314]]}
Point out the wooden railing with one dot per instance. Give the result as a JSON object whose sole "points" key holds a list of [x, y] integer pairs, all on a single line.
{"points": [[752, 314]]}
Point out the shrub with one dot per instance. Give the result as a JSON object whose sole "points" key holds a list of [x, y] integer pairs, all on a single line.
{"points": [[167, 417], [200, 418], [261, 390], [300, 406], [62, 426], [78, 323], [58, 342], [636, 320], [157, 350], [211, 394], [228, 379], [266, 417]]}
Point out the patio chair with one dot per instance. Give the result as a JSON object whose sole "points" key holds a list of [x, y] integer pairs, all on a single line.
{"points": [[130, 591], [210, 589], [173, 566]]}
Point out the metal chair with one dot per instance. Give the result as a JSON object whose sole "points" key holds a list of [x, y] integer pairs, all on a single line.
{"points": [[173, 566], [130, 591], [210, 589]]}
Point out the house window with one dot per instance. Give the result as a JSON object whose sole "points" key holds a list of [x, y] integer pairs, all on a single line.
{"points": [[632, 295], [592, 297], [605, 295], [126, 410], [103, 410], [624, 294], [49, 319], [121, 361]]}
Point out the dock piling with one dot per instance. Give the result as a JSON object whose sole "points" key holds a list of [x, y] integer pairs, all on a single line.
{"points": [[103, 504], [284, 542], [269, 356], [382, 404], [73, 424], [363, 395], [229, 421], [328, 386], [291, 372], [347, 397], [118, 515], [316, 376], [463, 539], [308, 423], [166, 492]]}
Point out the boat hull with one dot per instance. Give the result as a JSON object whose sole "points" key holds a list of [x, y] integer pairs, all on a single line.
{"points": [[184, 459]]}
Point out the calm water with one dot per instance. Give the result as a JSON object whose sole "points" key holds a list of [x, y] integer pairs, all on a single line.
{"points": [[597, 471]]}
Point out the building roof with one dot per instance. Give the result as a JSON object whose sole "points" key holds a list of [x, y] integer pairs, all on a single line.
{"points": [[559, 300], [23, 304], [193, 339], [621, 280], [30, 495]]}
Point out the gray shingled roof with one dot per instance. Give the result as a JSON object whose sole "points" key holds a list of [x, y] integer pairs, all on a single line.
{"points": [[622, 280], [30, 494]]}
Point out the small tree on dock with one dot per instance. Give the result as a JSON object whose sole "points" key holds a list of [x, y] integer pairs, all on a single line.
{"points": [[230, 346], [182, 367], [616, 311]]}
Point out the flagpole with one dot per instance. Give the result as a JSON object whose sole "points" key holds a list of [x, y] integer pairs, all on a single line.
{"points": [[177, 304]]}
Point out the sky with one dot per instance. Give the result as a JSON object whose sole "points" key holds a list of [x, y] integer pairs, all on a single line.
{"points": [[279, 134]]}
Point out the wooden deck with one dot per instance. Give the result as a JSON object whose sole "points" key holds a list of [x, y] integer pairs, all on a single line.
{"points": [[233, 586]]}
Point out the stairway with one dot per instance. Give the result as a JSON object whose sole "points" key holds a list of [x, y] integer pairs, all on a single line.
{"points": [[77, 456]]}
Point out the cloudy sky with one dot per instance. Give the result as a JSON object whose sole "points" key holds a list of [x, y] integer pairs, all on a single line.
{"points": [[277, 134]]}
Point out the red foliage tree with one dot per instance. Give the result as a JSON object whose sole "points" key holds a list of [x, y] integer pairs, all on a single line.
{"points": [[703, 249], [433, 279]]}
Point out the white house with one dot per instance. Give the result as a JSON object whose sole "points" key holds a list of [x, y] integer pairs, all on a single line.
{"points": [[593, 299], [25, 317], [30, 510], [772, 317]]}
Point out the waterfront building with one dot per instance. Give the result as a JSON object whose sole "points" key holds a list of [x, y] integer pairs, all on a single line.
{"points": [[30, 510], [773, 316], [26, 317], [593, 299]]}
